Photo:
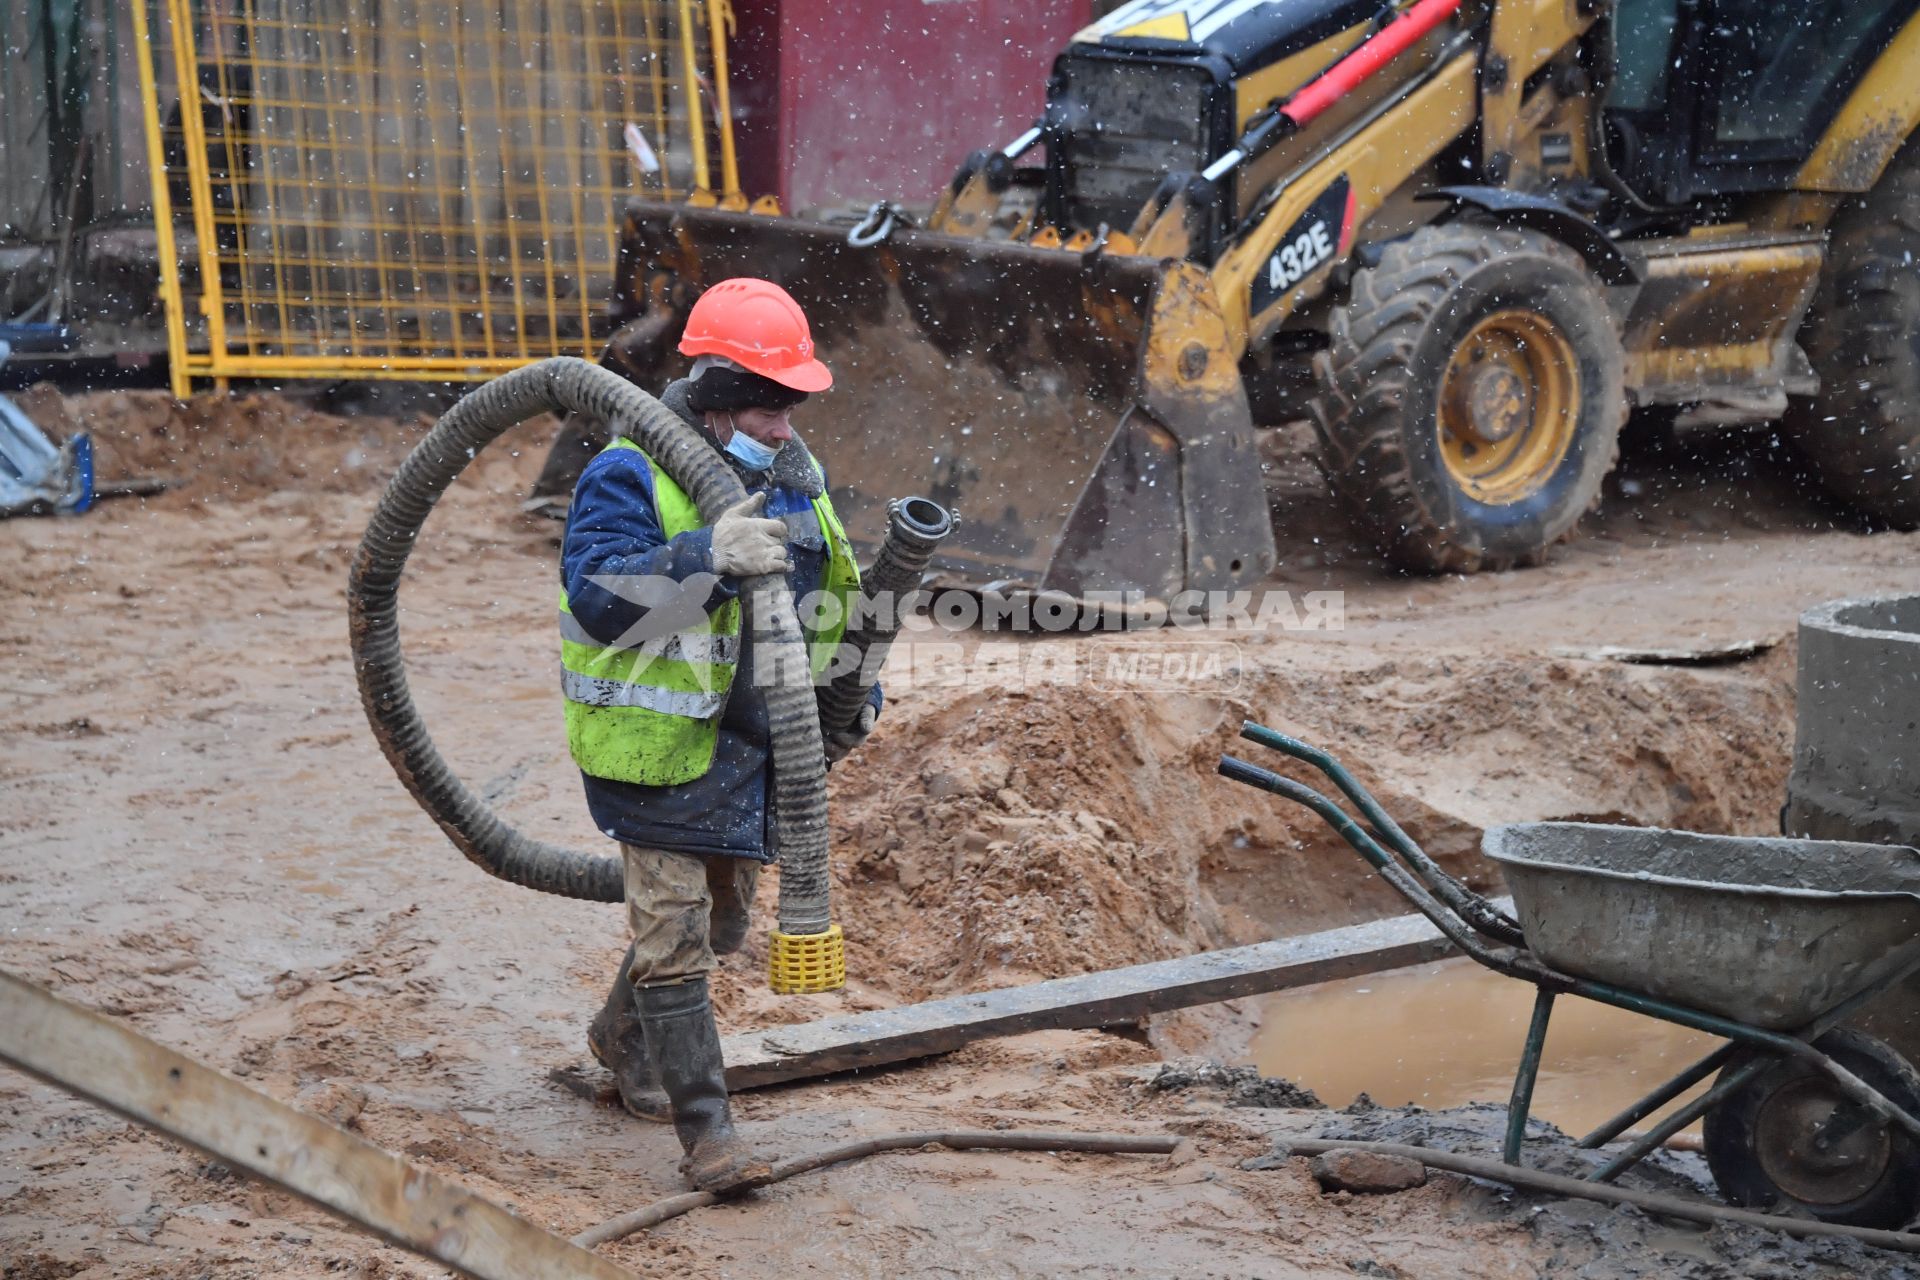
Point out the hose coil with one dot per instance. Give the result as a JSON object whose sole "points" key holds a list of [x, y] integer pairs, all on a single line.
{"points": [[568, 385]]}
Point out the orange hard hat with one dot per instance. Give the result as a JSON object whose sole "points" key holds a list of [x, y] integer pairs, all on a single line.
{"points": [[757, 325]]}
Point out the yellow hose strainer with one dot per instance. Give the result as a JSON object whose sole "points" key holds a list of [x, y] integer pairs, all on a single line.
{"points": [[798, 963]]}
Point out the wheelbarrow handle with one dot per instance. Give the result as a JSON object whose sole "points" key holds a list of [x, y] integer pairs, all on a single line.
{"points": [[1472, 908], [1448, 921]]}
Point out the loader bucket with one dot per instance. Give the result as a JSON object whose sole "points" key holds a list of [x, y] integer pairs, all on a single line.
{"points": [[1081, 412]]}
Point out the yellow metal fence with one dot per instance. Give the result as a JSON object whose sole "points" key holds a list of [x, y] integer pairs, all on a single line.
{"points": [[412, 188]]}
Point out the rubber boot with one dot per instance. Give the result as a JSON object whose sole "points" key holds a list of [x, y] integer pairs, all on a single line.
{"points": [[686, 1051], [617, 1038]]}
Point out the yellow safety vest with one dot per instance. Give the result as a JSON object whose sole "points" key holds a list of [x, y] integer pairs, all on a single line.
{"points": [[650, 714]]}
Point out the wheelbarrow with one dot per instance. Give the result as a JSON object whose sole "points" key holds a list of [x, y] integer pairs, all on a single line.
{"points": [[1769, 944]]}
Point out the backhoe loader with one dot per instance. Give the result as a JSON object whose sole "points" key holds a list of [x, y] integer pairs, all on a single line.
{"points": [[1464, 237]]}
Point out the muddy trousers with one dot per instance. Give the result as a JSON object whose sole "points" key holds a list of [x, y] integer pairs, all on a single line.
{"points": [[684, 909]]}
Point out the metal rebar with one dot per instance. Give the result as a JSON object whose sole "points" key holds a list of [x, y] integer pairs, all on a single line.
{"points": [[961, 1140], [1653, 1202]]}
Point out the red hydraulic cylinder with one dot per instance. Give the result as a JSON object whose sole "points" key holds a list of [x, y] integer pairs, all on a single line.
{"points": [[1381, 48]]}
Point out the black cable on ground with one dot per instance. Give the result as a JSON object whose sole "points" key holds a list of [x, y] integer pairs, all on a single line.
{"points": [[960, 1140]]}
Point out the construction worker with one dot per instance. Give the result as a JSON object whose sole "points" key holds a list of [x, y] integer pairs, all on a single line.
{"points": [[669, 730]]}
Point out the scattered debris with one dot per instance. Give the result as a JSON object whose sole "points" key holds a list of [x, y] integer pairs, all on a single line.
{"points": [[37, 476], [1715, 655], [1245, 1086]]}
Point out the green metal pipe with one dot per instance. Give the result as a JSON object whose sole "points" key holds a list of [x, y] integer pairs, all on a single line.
{"points": [[1659, 1098], [1378, 858], [1700, 1070], [1674, 1123], [1783, 1045], [1472, 908], [1719, 1057], [1520, 1104]]}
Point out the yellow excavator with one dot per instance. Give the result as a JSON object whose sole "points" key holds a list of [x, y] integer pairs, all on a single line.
{"points": [[1464, 237]]}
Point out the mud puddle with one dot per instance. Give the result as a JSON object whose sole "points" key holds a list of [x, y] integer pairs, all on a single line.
{"points": [[1446, 1034]]}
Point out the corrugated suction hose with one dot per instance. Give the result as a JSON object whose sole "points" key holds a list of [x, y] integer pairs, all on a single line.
{"points": [[799, 766], [915, 526]]}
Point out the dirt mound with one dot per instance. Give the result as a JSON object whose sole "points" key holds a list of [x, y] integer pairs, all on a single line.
{"points": [[1006, 835], [1019, 835], [217, 447]]}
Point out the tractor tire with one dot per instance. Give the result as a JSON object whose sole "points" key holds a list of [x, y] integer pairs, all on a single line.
{"points": [[1471, 398], [1762, 1143], [1861, 433]]}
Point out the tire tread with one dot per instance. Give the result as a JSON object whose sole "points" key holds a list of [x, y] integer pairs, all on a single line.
{"points": [[1366, 384], [1861, 433]]}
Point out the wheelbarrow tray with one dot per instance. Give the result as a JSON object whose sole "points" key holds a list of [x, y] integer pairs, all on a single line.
{"points": [[1770, 932]]}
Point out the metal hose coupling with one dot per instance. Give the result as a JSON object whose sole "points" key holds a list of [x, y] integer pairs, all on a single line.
{"points": [[802, 957], [915, 529]]}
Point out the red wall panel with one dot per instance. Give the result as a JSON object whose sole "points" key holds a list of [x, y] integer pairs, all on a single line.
{"points": [[847, 103]]}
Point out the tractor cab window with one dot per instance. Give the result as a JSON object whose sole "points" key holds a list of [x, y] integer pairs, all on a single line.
{"points": [[1715, 97], [1780, 71], [1643, 53]]}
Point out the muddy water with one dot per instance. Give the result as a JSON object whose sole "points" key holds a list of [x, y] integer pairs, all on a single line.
{"points": [[1447, 1033]]}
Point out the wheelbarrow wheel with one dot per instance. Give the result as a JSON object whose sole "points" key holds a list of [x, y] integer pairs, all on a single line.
{"points": [[1790, 1140]]}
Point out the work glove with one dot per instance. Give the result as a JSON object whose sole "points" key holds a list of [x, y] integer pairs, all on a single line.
{"points": [[746, 544], [839, 744]]}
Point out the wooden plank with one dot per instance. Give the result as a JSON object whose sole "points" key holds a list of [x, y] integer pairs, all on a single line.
{"points": [[1107, 998], [118, 1068]]}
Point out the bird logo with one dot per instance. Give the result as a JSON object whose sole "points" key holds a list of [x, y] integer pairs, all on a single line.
{"points": [[672, 606]]}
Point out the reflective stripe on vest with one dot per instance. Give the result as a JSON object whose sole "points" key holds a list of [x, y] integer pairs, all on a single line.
{"points": [[596, 692], [690, 646]]}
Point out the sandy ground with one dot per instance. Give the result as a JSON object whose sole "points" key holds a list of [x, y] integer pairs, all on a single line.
{"points": [[198, 835]]}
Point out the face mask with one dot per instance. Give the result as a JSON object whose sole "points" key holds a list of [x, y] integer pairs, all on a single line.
{"points": [[753, 455]]}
